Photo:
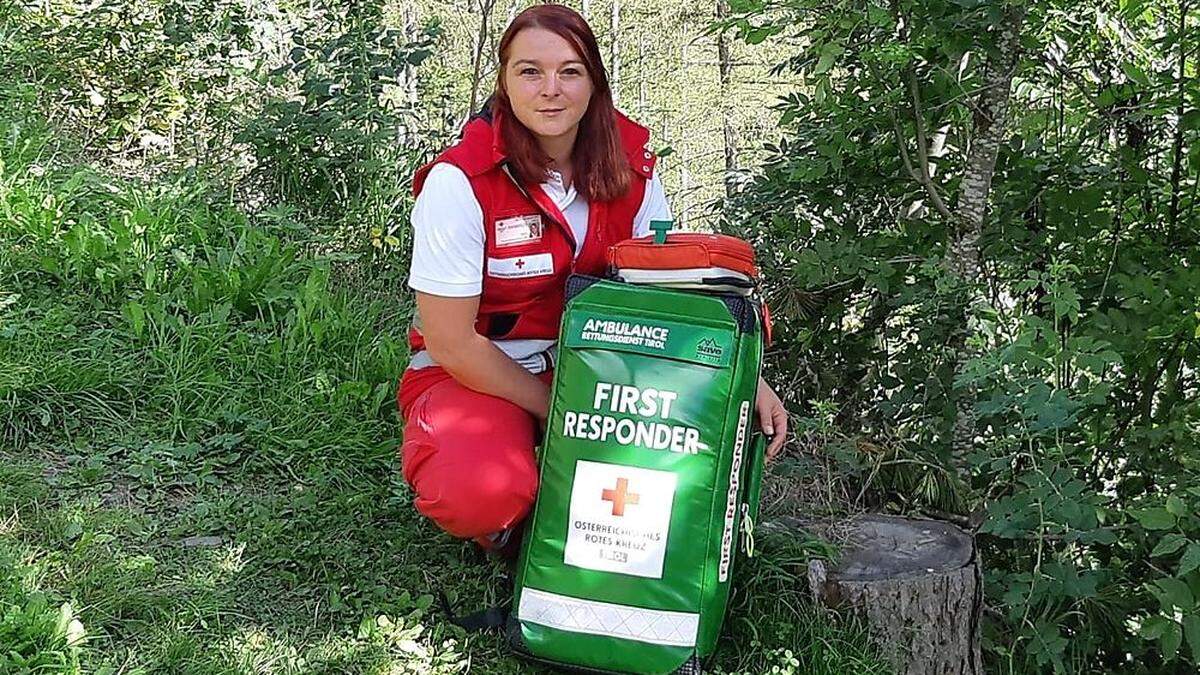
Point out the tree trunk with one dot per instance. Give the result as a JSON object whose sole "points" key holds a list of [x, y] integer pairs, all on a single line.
{"points": [[614, 59], [411, 92], [684, 198], [990, 128], [587, 9], [481, 42], [919, 587], [1177, 143], [408, 80], [641, 109], [725, 71], [991, 124]]}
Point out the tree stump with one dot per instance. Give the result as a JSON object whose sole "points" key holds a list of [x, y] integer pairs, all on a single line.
{"points": [[919, 587]]}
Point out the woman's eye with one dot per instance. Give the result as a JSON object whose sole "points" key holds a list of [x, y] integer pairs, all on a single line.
{"points": [[571, 71], [529, 71]]}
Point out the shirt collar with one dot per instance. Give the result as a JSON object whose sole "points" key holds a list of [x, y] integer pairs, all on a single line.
{"points": [[553, 187]]}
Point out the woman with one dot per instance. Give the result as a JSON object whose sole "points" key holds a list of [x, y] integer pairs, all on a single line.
{"points": [[539, 186]]}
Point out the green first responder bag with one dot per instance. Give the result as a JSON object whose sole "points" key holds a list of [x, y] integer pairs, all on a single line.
{"points": [[650, 474]]}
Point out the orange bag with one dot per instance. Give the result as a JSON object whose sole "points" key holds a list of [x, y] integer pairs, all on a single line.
{"points": [[711, 262]]}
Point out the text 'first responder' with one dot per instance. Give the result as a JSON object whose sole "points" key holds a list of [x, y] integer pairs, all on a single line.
{"points": [[626, 399]]}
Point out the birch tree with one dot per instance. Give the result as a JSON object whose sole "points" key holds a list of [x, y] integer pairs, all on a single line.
{"points": [[990, 126]]}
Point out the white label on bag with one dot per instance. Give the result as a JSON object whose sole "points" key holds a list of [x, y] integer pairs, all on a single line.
{"points": [[731, 501], [521, 267], [518, 230], [619, 520]]}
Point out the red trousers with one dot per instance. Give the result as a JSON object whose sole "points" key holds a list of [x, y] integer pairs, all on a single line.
{"points": [[468, 456]]}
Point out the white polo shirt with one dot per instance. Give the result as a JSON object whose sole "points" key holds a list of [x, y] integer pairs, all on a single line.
{"points": [[448, 243]]}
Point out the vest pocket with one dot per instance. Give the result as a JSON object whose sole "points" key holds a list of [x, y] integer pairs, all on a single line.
{"points": [[500, 325]]}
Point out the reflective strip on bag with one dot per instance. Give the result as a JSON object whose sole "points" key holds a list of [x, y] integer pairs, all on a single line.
{"points": [[655, 626]]}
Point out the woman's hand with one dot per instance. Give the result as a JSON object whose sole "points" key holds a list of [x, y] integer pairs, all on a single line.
{"points": [[772, 415]]}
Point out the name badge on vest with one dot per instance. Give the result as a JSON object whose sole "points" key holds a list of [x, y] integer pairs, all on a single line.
{"points": [[518, 230]]}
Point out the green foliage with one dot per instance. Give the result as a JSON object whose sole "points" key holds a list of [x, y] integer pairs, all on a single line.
{"points": [[134, 77], [330, 125], [206, 389], [341, 130], [1081, 337], [37, 638]]}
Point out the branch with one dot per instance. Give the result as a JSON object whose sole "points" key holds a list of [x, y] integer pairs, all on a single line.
{"points": [[923, 147], [922, 177], [954, 518], [1118, 223], [919, 119]]}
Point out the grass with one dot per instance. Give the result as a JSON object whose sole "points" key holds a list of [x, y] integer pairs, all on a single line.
{"points": [[197, 454]]}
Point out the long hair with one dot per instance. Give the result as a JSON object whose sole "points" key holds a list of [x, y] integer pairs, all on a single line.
{"points": [[600, 167]]}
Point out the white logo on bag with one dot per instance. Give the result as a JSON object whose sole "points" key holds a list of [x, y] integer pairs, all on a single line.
{"points": [[521, 267], [625, 332], [518, 230], [619, 518], [735, 472]]}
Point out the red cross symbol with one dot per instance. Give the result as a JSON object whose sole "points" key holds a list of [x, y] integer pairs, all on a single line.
{"points": [[620, 497], [520, 263]]}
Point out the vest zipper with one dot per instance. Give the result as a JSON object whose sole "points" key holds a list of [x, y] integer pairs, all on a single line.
{"points": [[566, 227]]}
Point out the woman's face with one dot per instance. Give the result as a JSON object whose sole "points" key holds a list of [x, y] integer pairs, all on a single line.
{"points": [[547, 84]]}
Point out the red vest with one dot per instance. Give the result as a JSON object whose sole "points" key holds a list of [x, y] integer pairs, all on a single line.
{"points": [[529, 247]]}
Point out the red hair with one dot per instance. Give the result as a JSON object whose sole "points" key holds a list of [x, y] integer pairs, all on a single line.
{"points": [[598, 160]]}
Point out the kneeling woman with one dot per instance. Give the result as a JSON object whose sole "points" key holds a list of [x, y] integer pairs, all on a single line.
{"points": [[538, 187]]}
